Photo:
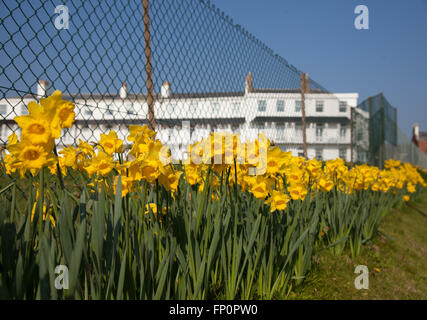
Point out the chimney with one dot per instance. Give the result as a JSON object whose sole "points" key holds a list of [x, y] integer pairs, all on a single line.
{"points": [[165, 90], [42, 88], [416, 132], [248, 83], [123, 91]]}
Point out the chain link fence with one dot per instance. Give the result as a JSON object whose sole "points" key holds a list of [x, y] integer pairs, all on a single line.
{"points": [[386, 140], [184, 68]]}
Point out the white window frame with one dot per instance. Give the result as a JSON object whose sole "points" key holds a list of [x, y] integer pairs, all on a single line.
{"points": [[316, 151], [343, 132], [3, 109], [341, 108], [319, 131], [319, 105], [192, 108], [298, 130], [280, 104], [24, 110], [215, 106], [298, 105], [109, 111], [262, 105], [130, 110], [280, 125], [344, 151], [235, 107]]}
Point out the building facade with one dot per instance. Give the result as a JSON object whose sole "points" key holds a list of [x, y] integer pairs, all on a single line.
{"points": [[183, 118]]}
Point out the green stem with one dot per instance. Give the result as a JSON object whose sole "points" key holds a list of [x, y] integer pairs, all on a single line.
{"points": [[41, 202], [12, 216], [61, 180]]}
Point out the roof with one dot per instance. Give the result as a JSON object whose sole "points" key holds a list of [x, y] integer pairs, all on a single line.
{"points": [[173, 95], [288, 90], [139, 96], [299, 119], [167, 122]]}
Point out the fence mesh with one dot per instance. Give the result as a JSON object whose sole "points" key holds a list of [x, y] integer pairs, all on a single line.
{"points": [[181, 66], [185, 61], [194, 46], [386, 140]]}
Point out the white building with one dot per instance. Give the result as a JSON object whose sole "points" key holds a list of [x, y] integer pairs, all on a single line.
{"points": [[275, 112]]}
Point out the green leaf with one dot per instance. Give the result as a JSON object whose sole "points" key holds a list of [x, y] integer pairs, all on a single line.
{"points": [[121, 277], [76, 258]]}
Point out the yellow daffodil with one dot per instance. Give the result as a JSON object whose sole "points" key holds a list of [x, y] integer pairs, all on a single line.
{"points": [[278, 201], [111, 143]]}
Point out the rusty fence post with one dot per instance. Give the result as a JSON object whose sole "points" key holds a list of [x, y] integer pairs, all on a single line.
{"points": [[370, 131], [352, 118], [396, 139], [148, 65], [304, 83]]}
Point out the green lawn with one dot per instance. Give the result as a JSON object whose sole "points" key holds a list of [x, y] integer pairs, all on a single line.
{"points": [[402, 262]]}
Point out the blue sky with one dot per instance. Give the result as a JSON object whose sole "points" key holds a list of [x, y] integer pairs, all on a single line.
{"points": [[319, 37]]}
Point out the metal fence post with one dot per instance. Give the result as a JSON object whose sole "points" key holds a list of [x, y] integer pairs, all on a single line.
{"points": [[370, 138], [351, 136], [396, 150], [382, 133], [304, 77], [148, 65]]}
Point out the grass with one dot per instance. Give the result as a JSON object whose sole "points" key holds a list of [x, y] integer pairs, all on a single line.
{"points": [[399, 255]]}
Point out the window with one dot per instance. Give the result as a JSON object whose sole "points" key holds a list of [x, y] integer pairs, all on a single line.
{"points": [[3, 109], [258, 125], [235, 127], [88, 112], [359, 135], [343, 153], [280, 126], [235, 107], [319, 106], [300, 152], [298, 105], [298, 130], [343, 106], [24, 110], [343, 132], [319, 131], [262, 105], [280, 105], [130, 109], [193, 107], [214, 107], [109, 111], [319, 154], [170, 108]]}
